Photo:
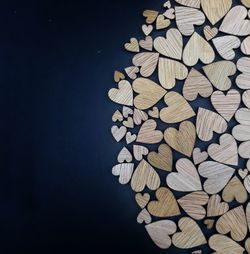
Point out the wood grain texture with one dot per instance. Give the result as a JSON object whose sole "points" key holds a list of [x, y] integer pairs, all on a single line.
{"points": [[139, 116], [241, 132], [155, 113], [130, 138], [139, 151], [243, 173], [244, 150], [132, 46], [144, 216], [124, 171], [210, 32], [215, 207], [126, 111], [246, 3], [132, 71], [209, 223], [118, 76], [247, 245], [117, 116], [245, 46], [246, 98], [247, 183], [147, 29], [150, 16], [162, 22], [118, 133], [190, 3], [147, 43], [124, 155], [243, 80], [198, 156], [243, 116], [129, 123], [142, 199]]}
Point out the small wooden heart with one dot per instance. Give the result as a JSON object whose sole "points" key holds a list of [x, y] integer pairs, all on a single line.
{"points": [[132, 71], [130, 138], [139, 116], [154, 112], [162, 22], [147, 29], [142, 199], [139, 151], [243, 173], [210, 33], [124, 171], [209, 223], [117, 116], [147, 44], [129, 123], [124, 155], [118, 76], [118, 133], [198, 156], [144, 216], [215, 207], [133, 45], [150, 16]]}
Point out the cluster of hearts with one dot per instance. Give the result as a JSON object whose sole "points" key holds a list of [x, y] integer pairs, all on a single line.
{"points": [[173, 60]]}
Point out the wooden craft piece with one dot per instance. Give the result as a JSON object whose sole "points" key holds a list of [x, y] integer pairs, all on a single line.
{"points": [[167, 4], [162, 22], [198, 156], [147, 61], [248, 215], [219, 72], [210, 33], [246, 3], [160, 231], [124, 171], [234, 222], [247, 183], [166, 204], [193, 204], [118, 76], [142, 199], [224, 245], [245, 46], [225, 46], [124, 155], [149, 93], [235, 22], [244, 150], [171, 45], [181, 140], [117, 116], [118, 133], [130, 138], [191, 235], [195, 84], [186, 18], [170, 13], [243, 173], [144, 216], [247, 245], [246, 98], [139, 151], [208, 122], [154, 112], [215, 10], [226, 152], [126, 111], [243, 116], [163, 159], [147, 29], [209, 223], [226, 105], [139, 116], [241, 132], [128, 123], [132, 71], [143, 176], [215, 207], [190, 3], [235, 190], [148, 133], [123, 95], [197, 49], [243, 80], [248, 165], [133, 45], [169, 71], [147, 43], [217, 176], [150, 16], [187, 179]]}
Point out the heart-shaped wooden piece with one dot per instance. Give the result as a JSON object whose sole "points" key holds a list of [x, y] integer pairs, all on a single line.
{"points": [[226, 152], [128, 123], [242, 133], [247, 245], [133, 45], [150, 16], [117, 116], [144, 216], [167, 4], [198, 156], [190, 3], [124, 155], [209, 223], [243, 173], [247, 183], [215, 207], [245, 46], [187, 179], [163, 159], [126, 111], [149, 93], [170, 13], [143, 176], [244, 150], [165, 206], [132, 71], [162, 22], [210, 33], [183, 140], [118, 76], [139, 116], [160, 232], [243, 80], [191, 235], [130, 138], [147, 29], [246, 3], [142, 199], [147, 43], [234, 221], [139, 151], [243, 116], [208, 122], [193, 204], [246, 98], [197, 49], [124, 171], [118, 133], [217, 176], [154, 112]]}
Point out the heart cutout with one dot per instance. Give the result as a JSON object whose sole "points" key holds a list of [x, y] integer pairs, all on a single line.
{"points": [[150, 16], [244, 150], [139, 151], [132, 46], [147, 43], [209, 223], [142, 199], [144, 216], [169, 13], [124, 155], [124, 171], [215, 207], [118, 133], [130, 138], [243, 173], [198, 156], [128, 123], [246, 98], [117, 116], [132, 71], [243, 80], [162, 22], [190, 3], [139, 116], [245, 46], [154, 112], [147, 29], [118, 76], [210, 33]]}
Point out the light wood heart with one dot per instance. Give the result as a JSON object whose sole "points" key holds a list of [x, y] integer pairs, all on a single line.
{"points": [[144, 216], [167, 4], [243, 173], [169, 13], [247, 245], [139, 151], [149, 93], [148, 133], [117, 116], [197, 49], [124, 155], [169, 71], [126, 111], [208, 122], [210, 33], [187, 179], [124, 171], [246, 98], [234, 222], [217, 176], [193, 204], [247, 183], [219, 72], [190, 3], [248, 215], [154, 112], [245, 46], [243, 116], [123, 95], [150, 16], [241, 132], [246, 3], [142, 199], [130, 138], [143, 176], [209, 223], [226, 152], [132, 71], [186, 18], [147, 43], [243, 80], [215, 207], [118, 133], [191, 235], [118, 76], [244, 150], [165, 206], [163, 159], [198, 156], [129, 123], [160, 232], [178, 109], [195, 84], [147, 29], [235, 22], [162, 22], [132, 46], [171, 45], [139, 116]]}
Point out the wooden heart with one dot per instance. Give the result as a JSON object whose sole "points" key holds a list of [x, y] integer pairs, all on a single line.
{"points": [[149, 93], [217, 176], [139, 116], [215, 207], [210, 33], [243, 116], [244, 150], [219, 72], [183, 140], [148, 134], [123, 95], [162, 22], [246, 3], [241, 132], [130, 138], [126, 111], [150, 16], [243, 80], [248, 215], [234, 222], [132, 46], [154, 112], [118, 133], [132, 71], [190, 3], [195, 84], [178, 109], [139, 151], [235, 23], [187, 179], [128, 123], [208, 122], [246, 98], [124, 171], [186, 18], [144, 216], [191, 235], [193, 204], [226, 152], [243, 173], [143, 176], [165, 206], [142, 199], [247, 183], [167, 4], [170, 13], [198, 156], [197, 49], [117, 116], [209, 223], [147, 43], [118, 76], [169, 71], [160, 231], [124, 155], [245, 46], [171, 45], [247, 245], [147, 29]]}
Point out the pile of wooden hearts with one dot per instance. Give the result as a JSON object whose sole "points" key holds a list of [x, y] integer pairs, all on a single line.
{"points": [[210, 185]]}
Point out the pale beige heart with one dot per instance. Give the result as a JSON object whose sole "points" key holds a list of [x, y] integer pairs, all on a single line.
{"points": [[117, 116], [126, 111], [144, 216], [169, 13], [132, 46], [245, 46], [198, 156], [139, 151], [124, 155], [150, 16], [210, 33], [247, 183], [243, 80], [118, 76], [142, 199], [124, 171], [241, 133], [243, 173], [190, 3], [130, 138], [162, 22], [154, 112], [147, 43], [243, 116], [147, 29], [246, 3], [132, 71], [167, 4], [209, 223], [215, 207], [139, 116], [129, 123], [244, 150], [118, 132], [246, 98]]}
